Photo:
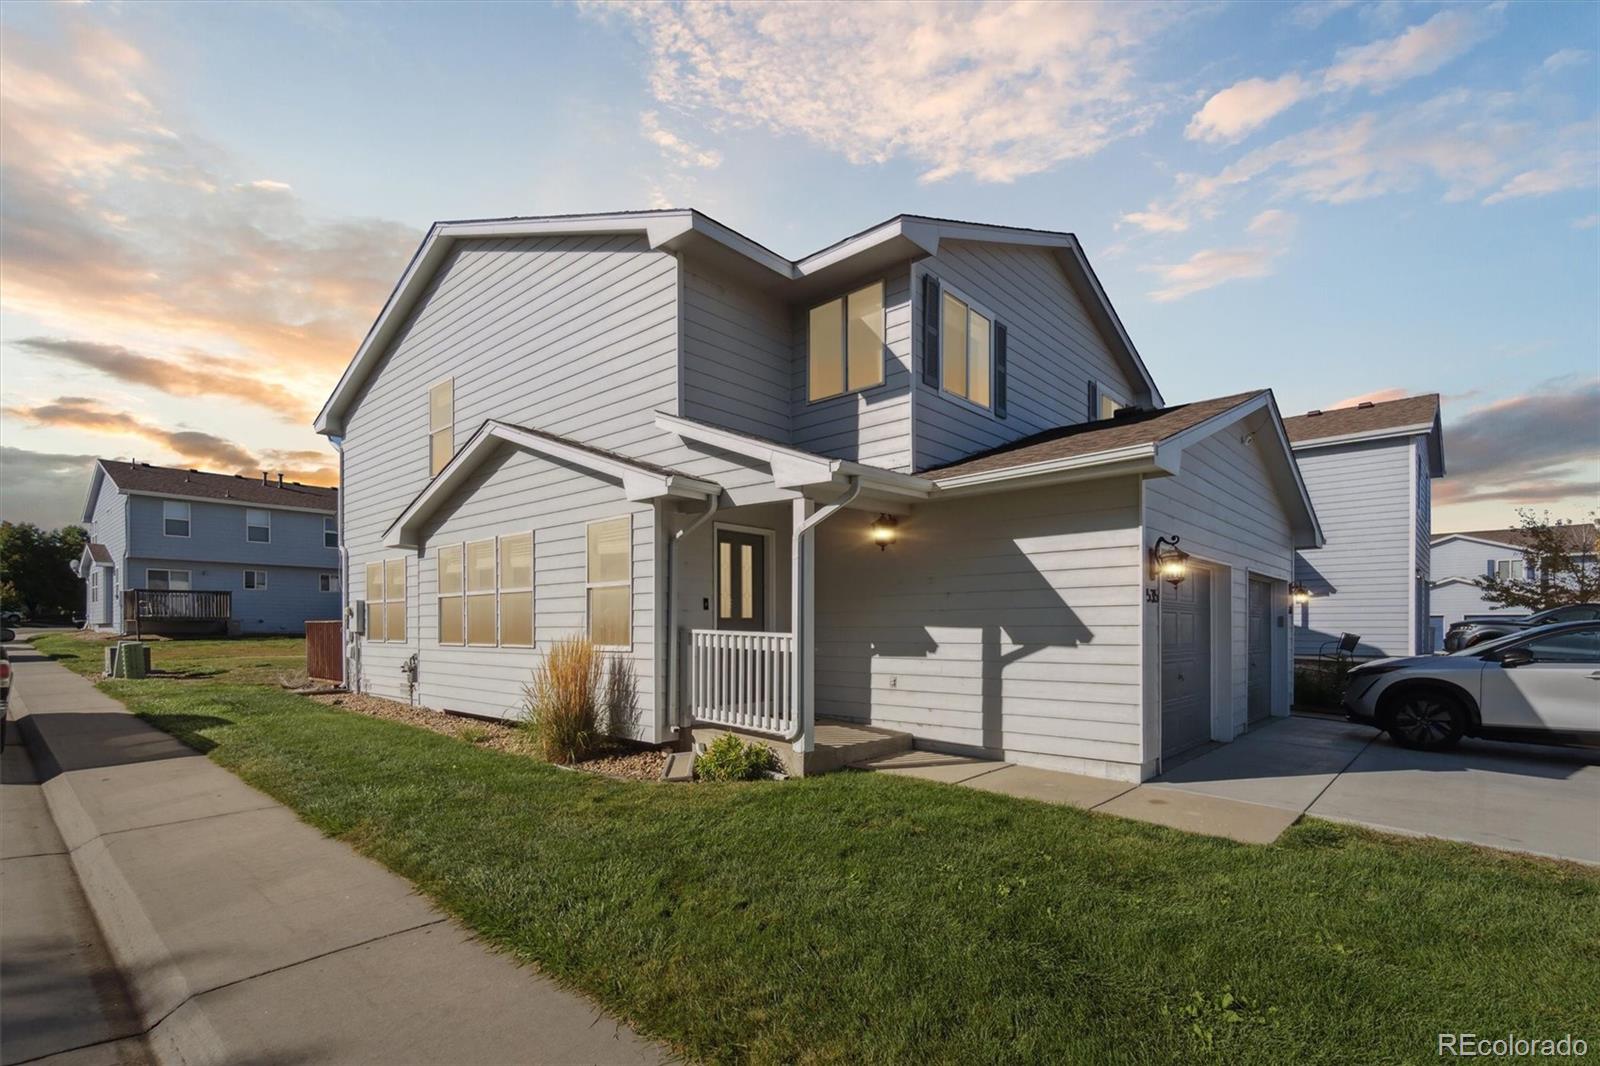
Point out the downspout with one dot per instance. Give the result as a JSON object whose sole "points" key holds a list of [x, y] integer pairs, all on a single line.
{"points": [[803, 735], [346, 658], [674, 709]]}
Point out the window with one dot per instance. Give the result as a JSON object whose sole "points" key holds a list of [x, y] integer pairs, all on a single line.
{"points": [[441, 422], [94, 588], [1103, 403], [258, 526], [1508, 569], [327, 582], [167, 580], [965, 338], [175, 518], [386, 600], [516, 590], [845, 344], [450, 618], [330, 532], [480, 593], [610, 584], [1582, 646], [255, 579]]}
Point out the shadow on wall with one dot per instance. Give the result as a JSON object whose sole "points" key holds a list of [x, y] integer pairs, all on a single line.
{"points": [[950, 589]]}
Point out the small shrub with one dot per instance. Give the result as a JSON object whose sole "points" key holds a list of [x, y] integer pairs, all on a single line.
{"points": [[622, 697], [474, 734], [730, 759], [1320, 685], [561, 708]]}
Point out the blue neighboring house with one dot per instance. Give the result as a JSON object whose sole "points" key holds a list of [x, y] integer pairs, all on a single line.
{"points": [[190, 552]]}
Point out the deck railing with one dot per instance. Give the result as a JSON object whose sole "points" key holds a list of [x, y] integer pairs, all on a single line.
{"points": [[161, 605], [742, 680]]}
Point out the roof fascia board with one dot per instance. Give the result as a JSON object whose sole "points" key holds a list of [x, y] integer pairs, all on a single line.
{"points": [[791, 467], [1143, 455], [1365, 435], [229, 501]]}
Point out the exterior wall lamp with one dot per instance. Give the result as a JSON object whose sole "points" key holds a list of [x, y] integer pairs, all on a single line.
{"points": [[883, 530], [1299, 595], [1168, 562]]}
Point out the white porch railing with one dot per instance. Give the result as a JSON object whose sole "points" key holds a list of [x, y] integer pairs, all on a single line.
{"points": [[742, 680]]}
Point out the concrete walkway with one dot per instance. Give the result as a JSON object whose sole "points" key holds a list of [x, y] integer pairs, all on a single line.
{"points": [[1544, 801], [244, 935]]}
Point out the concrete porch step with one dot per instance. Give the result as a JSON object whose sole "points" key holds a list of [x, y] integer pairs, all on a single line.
{"points": [[839, 743]]}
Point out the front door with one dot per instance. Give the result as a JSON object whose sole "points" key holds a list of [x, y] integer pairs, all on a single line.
{"points": [[1186, 663], [1260, 682], [741, 568]]}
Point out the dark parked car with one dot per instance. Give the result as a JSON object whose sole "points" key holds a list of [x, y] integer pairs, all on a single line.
{"points": [[1471, 634]]}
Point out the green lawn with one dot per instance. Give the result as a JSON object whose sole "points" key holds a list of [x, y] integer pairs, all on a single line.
{"points": [[264, 660], [860, 917]]}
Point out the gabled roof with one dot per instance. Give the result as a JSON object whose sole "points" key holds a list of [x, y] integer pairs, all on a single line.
{"points": [[93, 555], [640, 480], [1409, 417], [142, 479], [1513, 538], [898, 239]]}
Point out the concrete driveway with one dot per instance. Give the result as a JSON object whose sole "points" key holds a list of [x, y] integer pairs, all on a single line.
{"points": [[1521, 797]]}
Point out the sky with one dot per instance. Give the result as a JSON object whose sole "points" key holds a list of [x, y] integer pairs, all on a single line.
{"points": [[203, 207]]}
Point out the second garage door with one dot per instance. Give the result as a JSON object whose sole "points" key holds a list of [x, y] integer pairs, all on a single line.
{"points": [[1186, 663]]}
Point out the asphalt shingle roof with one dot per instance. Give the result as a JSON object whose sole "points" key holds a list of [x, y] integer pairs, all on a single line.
{"points": [[1363, 418], [1516, 538], [170, 481]]}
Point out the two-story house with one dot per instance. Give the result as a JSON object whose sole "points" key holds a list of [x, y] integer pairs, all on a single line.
{"points": [[919, 481], [185, 551], [1370, 469], [1460, 559]]}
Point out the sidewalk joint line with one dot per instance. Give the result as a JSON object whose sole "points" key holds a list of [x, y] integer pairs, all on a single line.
{"points": [[175, 821]]}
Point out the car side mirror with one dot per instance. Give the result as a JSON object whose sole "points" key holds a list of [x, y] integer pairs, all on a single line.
{"points": [[1515, 657]]}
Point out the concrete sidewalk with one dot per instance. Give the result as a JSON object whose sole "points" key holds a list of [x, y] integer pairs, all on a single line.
{"points": [[244, 935]]}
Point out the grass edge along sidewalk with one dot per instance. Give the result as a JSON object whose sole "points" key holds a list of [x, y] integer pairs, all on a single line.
{"points": [[863, 917]]}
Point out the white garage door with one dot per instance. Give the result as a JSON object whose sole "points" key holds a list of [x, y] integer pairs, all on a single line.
{"points": [[1186, 663]]}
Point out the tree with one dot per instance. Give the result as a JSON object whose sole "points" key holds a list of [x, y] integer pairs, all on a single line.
{"points": [[1563, 561], [37, 570]]}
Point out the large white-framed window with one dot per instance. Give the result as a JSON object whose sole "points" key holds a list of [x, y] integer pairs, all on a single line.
{"points": [[452, 623], [516, 590], [175, 518], [330, 532], [168, 580], [386, 600], [609, 582], [1516, 569], [257, 525], [94, 586], [255, 579], [966, 349], [441, 424], [327, 582], [480, 577], [845, 349]]}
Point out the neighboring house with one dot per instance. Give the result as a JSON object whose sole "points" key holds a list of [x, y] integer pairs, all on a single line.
{"points": [[1459, 559], [911, 481], [1370, 469], [198, 552]]}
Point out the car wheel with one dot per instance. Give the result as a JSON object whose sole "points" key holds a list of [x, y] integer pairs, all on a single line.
{"points": [[1426, 719]]}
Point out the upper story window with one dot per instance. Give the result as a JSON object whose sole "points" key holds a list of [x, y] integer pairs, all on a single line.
{"points": [[1103, 402], [1510, 569], [963, 348], [610, 582], [330, 532], [257, 526], [845, 344], [175, 518], [441, 424]]}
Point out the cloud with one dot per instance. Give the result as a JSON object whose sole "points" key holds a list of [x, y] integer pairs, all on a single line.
{"points": [[1420, 49], [46, 488], [1313, 13], [1273, 231], [1565, 58], [674, 148], [195, 375], [184, 446], [995, 91], [1375, 396], [1586, 222], [1245, 106], [1540, 447], [119, 219]]}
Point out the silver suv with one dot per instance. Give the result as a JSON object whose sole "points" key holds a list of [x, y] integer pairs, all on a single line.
{"points": [[1471, 634]]}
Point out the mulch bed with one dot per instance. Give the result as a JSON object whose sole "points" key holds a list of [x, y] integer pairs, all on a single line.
{"points": [[620, 761]]}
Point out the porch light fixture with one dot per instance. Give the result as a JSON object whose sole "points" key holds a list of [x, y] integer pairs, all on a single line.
{"points": [[1168, 562], [1299, 594], [883, 530]]}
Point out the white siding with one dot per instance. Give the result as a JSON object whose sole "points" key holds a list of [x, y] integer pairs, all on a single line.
{"points": [[1423, 526], [873, 426], [737, 355], [108, 525], [1007, 624], [1467, 559], [1053, 351], [1361, 578], [515, 492], [1226, 513]]}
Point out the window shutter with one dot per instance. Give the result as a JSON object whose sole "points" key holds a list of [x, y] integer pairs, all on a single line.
{"points": [[1094, 401], [999, 370], [930, 330]]}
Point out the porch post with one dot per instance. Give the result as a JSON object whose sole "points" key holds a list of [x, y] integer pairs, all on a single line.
{"points": [[802, 603]]}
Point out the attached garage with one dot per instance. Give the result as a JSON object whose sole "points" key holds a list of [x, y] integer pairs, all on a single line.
{"points": [[1186, 664]]}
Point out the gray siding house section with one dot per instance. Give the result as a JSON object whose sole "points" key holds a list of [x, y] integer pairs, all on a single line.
{"points": [[108, 525]]}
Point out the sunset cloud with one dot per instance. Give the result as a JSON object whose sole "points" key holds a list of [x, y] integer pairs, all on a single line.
{"points": [[995, 91], [1271, 233], [1245, 106], [1542, 447]]}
